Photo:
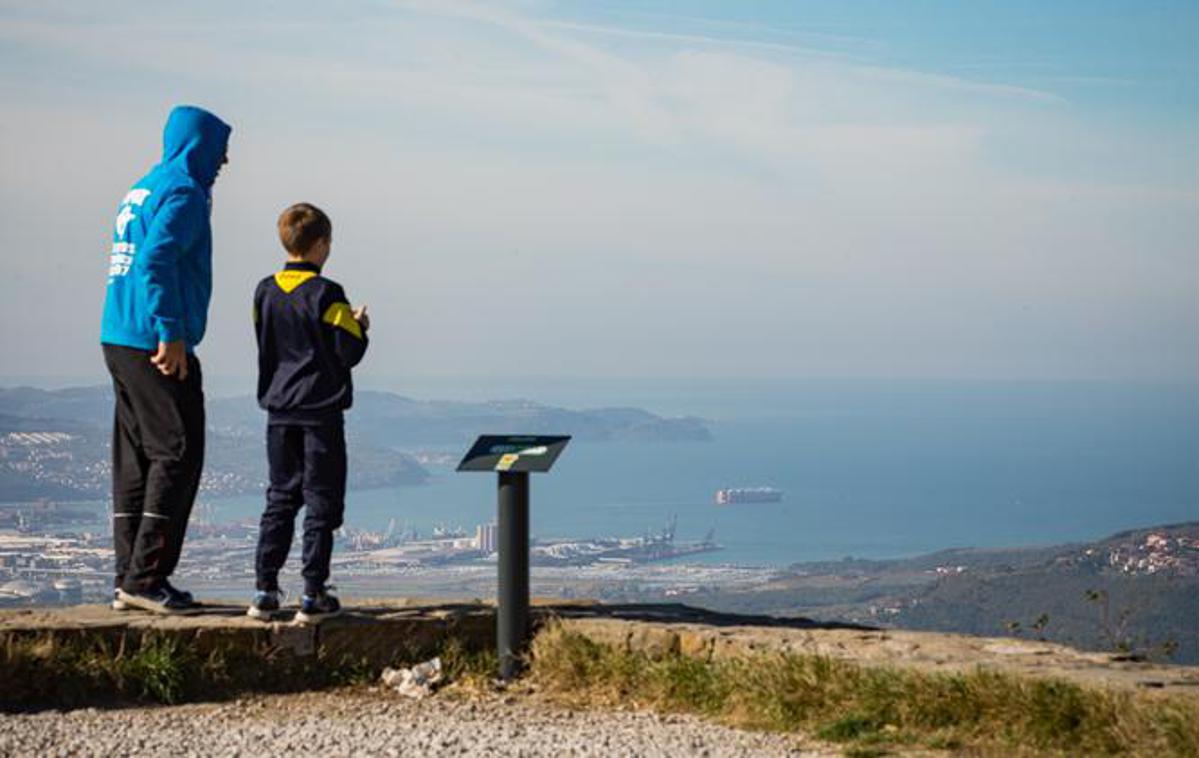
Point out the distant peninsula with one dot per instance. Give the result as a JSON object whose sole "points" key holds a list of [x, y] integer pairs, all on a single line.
{"points": [[54, 443]]}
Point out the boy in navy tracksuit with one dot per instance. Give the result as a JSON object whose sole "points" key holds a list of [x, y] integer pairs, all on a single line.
{"points": [[308, 340]]}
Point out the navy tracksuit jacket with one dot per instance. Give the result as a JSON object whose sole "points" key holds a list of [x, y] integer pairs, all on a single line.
{"points": [[308, 341]]}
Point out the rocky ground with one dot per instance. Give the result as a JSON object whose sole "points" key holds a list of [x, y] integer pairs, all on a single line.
{"points": [[377, 722]]}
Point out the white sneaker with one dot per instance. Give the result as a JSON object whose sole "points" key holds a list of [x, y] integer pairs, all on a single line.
{"points": [[266, 604], [118, 600], [315, 608]]}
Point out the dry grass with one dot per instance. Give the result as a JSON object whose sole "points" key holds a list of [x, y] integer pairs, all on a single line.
{"points": [[468, 672], [868, 708]]}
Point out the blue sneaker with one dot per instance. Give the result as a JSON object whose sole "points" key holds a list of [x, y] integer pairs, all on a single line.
{"points": [[316, 608], [161, 600], [266, 604]]}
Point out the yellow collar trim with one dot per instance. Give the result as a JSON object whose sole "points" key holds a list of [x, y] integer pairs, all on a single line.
{"points": [[289, 279]]}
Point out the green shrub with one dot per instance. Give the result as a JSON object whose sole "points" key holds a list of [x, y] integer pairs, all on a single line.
{"points": [[159, 671]]}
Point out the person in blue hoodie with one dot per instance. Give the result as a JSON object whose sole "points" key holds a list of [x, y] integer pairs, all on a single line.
{"points": [[155, 312]]}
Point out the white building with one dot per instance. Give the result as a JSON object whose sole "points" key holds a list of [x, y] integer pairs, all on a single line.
{"points": [[487, 538]]}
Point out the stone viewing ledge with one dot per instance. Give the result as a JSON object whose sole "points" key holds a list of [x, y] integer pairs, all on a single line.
{"points": [[371, 635]]}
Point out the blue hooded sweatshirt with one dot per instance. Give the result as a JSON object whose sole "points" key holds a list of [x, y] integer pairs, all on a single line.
{"points": [[160, 272]]}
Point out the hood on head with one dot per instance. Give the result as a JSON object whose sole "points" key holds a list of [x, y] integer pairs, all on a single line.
{"points": [[195, 140]]}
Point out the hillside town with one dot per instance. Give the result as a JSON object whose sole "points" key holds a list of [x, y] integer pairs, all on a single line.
{"points": [[1157, 553], [61, 463], [55, 460]]}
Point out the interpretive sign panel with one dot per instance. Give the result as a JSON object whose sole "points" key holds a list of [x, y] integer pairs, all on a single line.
{"points": [[514, 452]]}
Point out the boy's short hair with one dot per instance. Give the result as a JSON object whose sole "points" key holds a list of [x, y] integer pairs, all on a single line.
{"points": [[303, 225]]}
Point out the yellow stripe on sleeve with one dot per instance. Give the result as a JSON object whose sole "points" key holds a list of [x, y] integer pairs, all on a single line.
{"points": [[339, 314]]}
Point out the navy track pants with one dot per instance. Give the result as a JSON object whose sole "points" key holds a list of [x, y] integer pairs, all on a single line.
{"points": [[157, 459], [308, 469]]}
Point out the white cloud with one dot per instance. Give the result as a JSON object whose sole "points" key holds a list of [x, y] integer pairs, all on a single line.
{"points": [[635, 202]]}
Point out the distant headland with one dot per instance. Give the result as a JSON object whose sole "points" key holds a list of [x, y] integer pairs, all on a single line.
{"points": [[55, 442]]}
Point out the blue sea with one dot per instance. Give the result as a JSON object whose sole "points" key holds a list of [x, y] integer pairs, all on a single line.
{"points": [[869, 469]]}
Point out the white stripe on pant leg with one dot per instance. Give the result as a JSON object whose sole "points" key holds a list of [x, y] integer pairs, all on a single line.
{"points": [[155, 515], [126, 515]]}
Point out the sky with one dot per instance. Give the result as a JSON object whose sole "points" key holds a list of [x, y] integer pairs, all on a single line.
{"points": [[881, 190]]}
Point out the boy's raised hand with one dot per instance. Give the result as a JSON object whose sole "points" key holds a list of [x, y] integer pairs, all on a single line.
{"points": [[363, 320]]}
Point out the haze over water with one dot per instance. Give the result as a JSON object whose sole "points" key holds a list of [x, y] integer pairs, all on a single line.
{"points": [[870, 469]]}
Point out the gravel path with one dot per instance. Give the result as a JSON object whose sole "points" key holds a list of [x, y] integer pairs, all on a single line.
{"points": [[359, 722]]}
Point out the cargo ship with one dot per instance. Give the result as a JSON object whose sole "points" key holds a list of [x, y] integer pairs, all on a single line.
{"points": [[748, 495]]}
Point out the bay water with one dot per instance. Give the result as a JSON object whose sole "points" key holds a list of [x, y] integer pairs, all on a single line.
{"points": [[869, 469]]}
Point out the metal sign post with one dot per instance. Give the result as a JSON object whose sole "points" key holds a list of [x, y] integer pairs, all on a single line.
{"points": [[513, 457], [512, 597]]}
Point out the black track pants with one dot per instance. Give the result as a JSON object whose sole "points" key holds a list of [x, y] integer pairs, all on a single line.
{"points": [[308, 468], [157, 457]]}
